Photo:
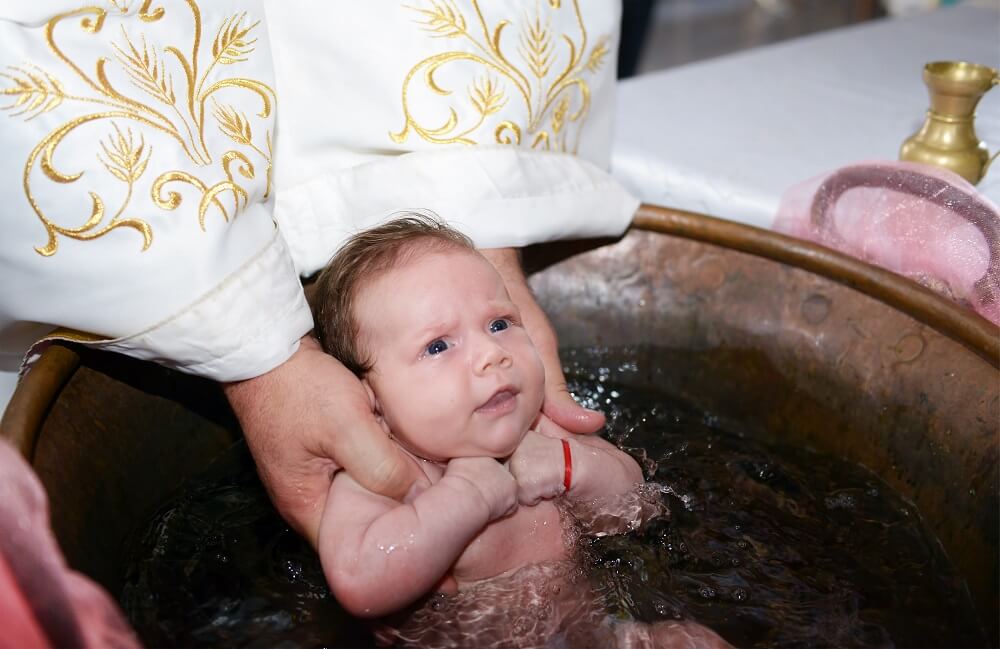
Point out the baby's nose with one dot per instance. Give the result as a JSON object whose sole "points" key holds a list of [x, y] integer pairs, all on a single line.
{"points": [[492, 356]]}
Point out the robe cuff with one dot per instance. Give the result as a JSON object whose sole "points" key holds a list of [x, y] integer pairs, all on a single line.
{"points": [[247, 325]]}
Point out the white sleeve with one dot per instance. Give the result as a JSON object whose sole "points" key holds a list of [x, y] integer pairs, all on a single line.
{"points": [[496, 115], [138, 137], [137, 144]]}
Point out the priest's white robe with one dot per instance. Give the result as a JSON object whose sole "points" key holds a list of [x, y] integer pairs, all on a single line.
{"points": [[170, 169]]}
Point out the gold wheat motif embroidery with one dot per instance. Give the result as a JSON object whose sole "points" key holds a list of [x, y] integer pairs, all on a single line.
{"points": [[176, 107], [556, 98]]}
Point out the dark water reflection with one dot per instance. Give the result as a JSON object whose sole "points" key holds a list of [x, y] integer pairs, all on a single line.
{"points": [[770, 546]]}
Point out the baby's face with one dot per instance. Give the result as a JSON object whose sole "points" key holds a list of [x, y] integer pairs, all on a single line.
{"points": [[454, 374]]}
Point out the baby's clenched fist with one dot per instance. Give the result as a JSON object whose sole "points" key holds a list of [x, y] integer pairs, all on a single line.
{"points": [[538, 467], [491, 479]]}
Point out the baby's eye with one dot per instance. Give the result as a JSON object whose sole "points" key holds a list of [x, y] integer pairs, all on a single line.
{"points": [[499, 325], [436, 347]]}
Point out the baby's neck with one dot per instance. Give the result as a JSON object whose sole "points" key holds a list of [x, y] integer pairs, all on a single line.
{"points": [[419, 458]]}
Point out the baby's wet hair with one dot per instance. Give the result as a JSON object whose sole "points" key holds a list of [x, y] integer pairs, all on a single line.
{"points": [[362, 259]]}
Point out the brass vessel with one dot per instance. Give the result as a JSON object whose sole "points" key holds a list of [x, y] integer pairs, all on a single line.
{"points": [[799, 343], [948, 136]]}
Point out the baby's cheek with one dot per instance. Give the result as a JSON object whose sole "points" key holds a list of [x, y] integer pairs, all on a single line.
{"points": [[403, 408], [436, 404]]}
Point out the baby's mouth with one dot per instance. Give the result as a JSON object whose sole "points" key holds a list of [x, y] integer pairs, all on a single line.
{"points": [[502, 402]]}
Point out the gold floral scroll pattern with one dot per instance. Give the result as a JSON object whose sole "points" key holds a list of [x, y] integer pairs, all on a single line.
{"points": [[556, 97], [156, 102]]}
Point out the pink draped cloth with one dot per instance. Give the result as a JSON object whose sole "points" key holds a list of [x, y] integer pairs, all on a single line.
{"points": [[43, 603], [922, 222]]}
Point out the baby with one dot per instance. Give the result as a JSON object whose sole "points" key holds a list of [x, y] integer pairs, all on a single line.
{"points": [[425, 322]]}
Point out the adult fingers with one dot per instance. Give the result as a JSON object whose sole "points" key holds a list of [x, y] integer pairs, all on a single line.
{"points": [[305, 419], [352, 436], [559, 404], [363, 449]]}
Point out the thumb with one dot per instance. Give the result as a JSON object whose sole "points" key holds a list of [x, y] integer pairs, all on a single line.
{"points": [[562, 408], [368, 455]]}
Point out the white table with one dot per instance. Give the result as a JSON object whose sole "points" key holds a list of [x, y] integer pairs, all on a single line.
{"points": [[727, 136]]}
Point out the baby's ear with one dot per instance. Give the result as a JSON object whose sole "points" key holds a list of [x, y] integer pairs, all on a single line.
{"points": [[376, 406], [372, 399]]}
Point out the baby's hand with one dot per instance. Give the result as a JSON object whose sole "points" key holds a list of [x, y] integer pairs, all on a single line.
{"points": [[537, 465], [492, 479]]}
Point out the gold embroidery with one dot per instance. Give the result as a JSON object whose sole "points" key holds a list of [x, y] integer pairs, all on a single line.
{"points": [[35, 91], [39, 92], [237, 127], [554, 97], [209, 195], [506, 139]]}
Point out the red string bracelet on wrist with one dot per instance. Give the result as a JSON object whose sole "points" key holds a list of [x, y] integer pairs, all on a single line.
{"points": [[568, 461]]}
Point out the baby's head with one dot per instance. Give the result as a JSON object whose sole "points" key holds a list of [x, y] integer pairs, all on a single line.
{"points": [[425, 321]]}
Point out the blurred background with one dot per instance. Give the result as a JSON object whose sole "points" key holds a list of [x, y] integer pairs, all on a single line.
{"points": [[659, 34], [727, 104]]}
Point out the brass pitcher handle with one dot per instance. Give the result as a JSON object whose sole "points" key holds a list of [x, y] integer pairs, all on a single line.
{"points": [[986, 167]]}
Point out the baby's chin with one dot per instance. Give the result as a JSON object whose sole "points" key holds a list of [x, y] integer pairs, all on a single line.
{"points": [[498, 442], [499, 445], [508, 441]]}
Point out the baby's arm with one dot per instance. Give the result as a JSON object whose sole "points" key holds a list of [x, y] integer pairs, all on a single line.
{"points": [[599, 468], [379, 555]]}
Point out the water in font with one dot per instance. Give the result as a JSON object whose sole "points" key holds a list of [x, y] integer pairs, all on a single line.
{"points": [[770, 546]]}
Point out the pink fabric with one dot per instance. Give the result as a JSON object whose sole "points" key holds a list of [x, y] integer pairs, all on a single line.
{"points": [[922, 222], [20, 628], [42, 602]]}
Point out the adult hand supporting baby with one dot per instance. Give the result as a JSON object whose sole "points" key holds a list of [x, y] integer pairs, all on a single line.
{"points": [[559, 404], [303, 421]]}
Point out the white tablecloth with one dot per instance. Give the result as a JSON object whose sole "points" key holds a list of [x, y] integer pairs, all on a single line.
{"points": [[727, 136]]}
